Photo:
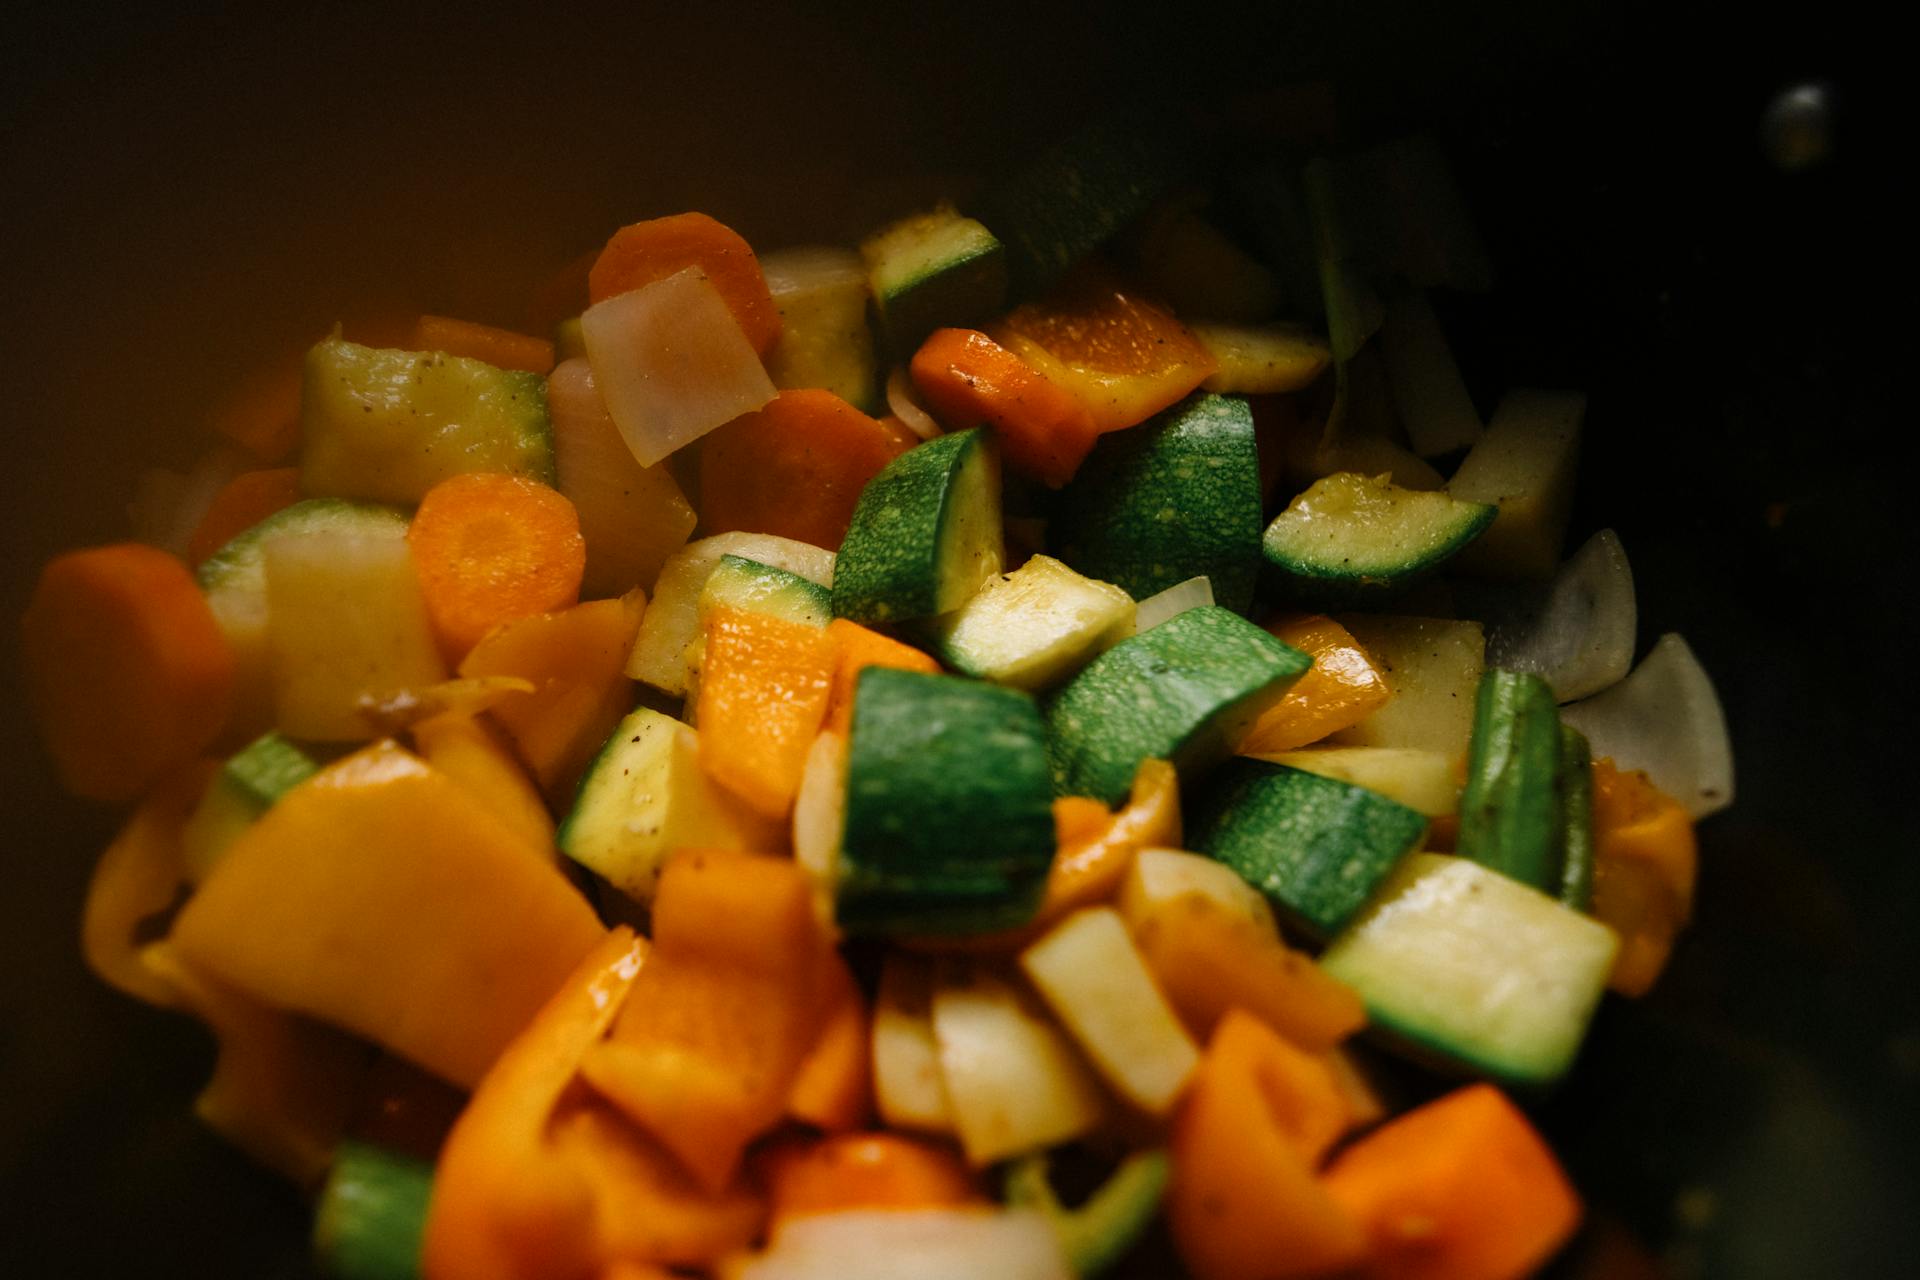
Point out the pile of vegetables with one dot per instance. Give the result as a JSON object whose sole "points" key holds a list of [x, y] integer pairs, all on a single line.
{"points": [[627, 810]]}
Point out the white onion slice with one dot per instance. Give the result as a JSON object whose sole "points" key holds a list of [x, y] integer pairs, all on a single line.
{"points": [[910, 1244], [1666, 719], [903, 405], [1575, 632], [1178, 598], [671, 363]]}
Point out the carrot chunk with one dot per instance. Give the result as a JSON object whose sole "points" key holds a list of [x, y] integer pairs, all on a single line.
{"points": [[1460, 1189], [969, 380], [794, 468], [644, 252], [128, 673], [501, 348], [490, 548]]}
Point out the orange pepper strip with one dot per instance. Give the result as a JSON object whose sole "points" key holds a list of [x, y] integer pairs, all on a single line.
{"points": [[969, 380], [1343, 687], [1209, 959], [860, 648], [865, 1171], [705, 1052], [833, 1088], [538, 1182], [764, 683], [1645, 864], [1243, 1201], [137, 878], [1121, 355], [1458, 1189]]}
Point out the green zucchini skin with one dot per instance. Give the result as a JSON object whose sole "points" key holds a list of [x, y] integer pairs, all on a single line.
{"points": [[1352, 538], [372, 1214], [933, 270], [1575, 783], [741, 583], [1510, 811], [1317, 847], [1098, 1233], [949, 816], [267, 768], [1176, 497], [1184, 691], [925, 533]]}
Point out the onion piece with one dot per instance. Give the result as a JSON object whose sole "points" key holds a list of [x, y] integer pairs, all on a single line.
{"points": [[1178, 598], [1665, 719], [672, 363], [903, 405], [909, 1244], [1575, 632]]}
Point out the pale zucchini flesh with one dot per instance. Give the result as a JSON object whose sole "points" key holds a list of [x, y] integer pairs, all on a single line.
{"points": [[1476, 969], [908, 1087], [1432, 666], [1356, 534], [739, 582], [1262, 359], [934, 269], [825, 341], [1421, 779], [1525, 466], [1033, 627]]}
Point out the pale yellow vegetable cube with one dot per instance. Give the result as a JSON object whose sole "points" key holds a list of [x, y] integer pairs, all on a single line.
{"points": [[1432, 666], [1525, 465]]}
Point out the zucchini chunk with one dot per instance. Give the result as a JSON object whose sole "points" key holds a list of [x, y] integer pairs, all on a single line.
{"points": [[1096, 1234], [1433, 667], [738, 582], [825, 341], [1185, 691], [1033, 627], [372, 1214], [1352, 535], [1420, 779], [1476, 970], [934, 270], [949, 818], [1316, 847], [1174, 498], [925, 534], [389, 425]]}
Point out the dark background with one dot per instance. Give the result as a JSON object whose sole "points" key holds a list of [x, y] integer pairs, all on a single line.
{"points": [[187, 192]]}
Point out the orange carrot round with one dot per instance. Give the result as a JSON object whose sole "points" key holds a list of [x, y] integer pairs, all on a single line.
{"points": [[866, 1171], [490, 548], [794, 468], [969, 380], [644, 252], [128, 674], [243, 502], [501, 348]]}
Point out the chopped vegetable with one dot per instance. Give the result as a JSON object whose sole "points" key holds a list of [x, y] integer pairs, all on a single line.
{"points": [[490, 548], [821, 295], [933, 270], [672, 625], [501, 348], [1524, 465], [866, 1171], [1340, 689], [1645, 863], [969, 380], [1033, 627], [646, 253], [763, 696], [1352, 536], [1665, 719], [372, 1213]]}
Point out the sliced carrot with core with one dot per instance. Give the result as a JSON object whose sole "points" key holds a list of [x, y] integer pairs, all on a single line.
{"points": [[1462, 1188], [576, 660], [968, 380], [501, 348], [794, 468], [243, 502], [1343, 687], [764, 683], [847, 1171], [856, 649], [1122, 356], [643, 252], [491, 547], [1243, 1201], [128, 674]]}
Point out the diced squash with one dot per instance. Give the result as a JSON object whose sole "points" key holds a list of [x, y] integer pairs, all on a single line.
{"points": [[1432, 668], [1525, 465]]}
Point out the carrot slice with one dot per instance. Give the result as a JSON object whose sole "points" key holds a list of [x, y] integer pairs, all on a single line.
{"points": [[128, 674], [970, 380], [1243, 1201], [705, 1051], [794, 468], [833, 1087], [1121, 355], [866, 1171], [501, 348], [764, 683], [1462, 1188], [243, 502], [1343, 687], [575, 659], [490, 548], [856, 649], [644, 252], [1645, 863]]}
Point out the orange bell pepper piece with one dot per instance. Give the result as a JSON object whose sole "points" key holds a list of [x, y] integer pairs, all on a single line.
{"points": [[1343, 687], [848, 1171], [833, 1087], [764, 683], [1243, 1201], [1644, 867], [1459, 1189], [137, 878], [969, 380], [540, 1180], [1124, 357], [858, 648], [705, 1052]]}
